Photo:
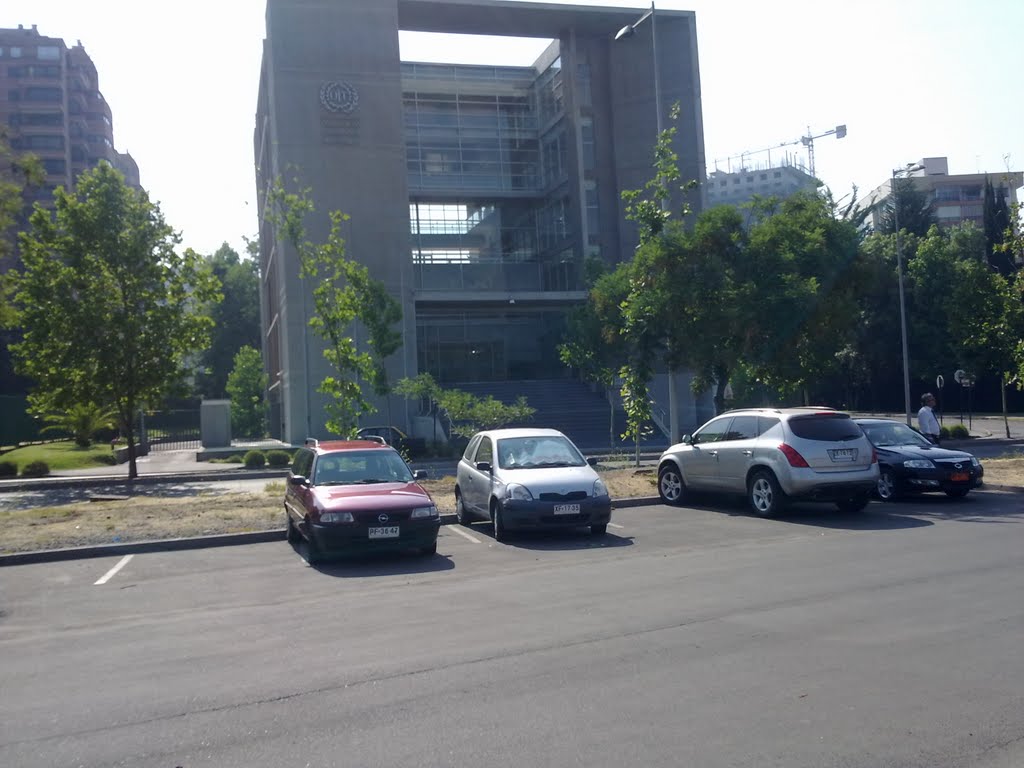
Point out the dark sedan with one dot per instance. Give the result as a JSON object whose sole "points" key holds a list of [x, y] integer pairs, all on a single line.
{"points": [[908, 463]]}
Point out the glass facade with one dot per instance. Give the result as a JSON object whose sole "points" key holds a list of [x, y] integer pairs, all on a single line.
{"points": [[488, 156], [485, 345]]}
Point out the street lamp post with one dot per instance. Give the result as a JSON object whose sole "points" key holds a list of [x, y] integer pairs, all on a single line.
{"points": [[628, 31], [899, 273]]}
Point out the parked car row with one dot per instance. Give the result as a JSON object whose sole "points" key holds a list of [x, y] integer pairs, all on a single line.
{"points": [[777, 455], [360, 495]]}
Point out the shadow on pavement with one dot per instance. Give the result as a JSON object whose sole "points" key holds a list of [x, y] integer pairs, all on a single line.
{"points": [[562, 540], [974, 508], [379, 564], [876, 517]]}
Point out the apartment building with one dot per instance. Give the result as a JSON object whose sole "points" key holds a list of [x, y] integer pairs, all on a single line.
{"points": [[51, 106]]}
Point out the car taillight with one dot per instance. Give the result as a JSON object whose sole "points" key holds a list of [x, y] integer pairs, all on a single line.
{"points": [[793, 456], [874, 455]]}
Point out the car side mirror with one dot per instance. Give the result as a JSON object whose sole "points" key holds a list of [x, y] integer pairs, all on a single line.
{"points": [[298, 480], [483, 466], [592, 461], [686, 439], [419, 474]]}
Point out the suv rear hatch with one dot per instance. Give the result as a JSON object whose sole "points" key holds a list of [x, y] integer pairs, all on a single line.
{"points": [[830, 442]]}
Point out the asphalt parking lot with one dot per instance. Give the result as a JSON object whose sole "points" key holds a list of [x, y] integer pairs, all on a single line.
{"points": [[638, 647]]}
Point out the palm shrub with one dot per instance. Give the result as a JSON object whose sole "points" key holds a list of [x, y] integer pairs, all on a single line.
{"points": [[82, 421], [8, 469]]}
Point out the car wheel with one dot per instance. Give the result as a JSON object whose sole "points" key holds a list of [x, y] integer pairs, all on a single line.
{"points": [[854, 504], [764, 494], [957, 493], [887, 489], [431, 550], [670, 485], [500, 534], [460, 509], [314, 554], [291, 533], [599, 530]]}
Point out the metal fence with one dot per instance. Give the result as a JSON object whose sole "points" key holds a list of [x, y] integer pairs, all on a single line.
{"points": [[172, 430]]}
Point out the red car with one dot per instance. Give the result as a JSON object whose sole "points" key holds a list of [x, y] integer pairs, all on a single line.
{"points": [[351, 496]]}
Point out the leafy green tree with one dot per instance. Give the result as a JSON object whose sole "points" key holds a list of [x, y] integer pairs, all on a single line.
{"points": [[18, 174], [236, 318], [421, 387], [593, 343], [82, 421], [996, 222], [916, 213], [643, 309], [106, 303], [343, 294], [246, 386]]}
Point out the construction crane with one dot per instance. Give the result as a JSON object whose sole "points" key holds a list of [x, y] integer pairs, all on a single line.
{"points": [[807, 140]]}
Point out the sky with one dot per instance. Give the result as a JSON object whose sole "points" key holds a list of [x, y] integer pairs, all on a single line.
{"points": [[908, 78]]}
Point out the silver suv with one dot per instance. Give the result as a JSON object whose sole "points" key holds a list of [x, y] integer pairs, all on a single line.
{"points": [[773, 455]]}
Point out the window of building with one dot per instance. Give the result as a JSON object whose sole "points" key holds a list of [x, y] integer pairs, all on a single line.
{"points": [[777, 174], [38, 93], [593, 210], [43, 142], [15, 52], [764, 177], [55, 165], [587, 144], [48, 52]]}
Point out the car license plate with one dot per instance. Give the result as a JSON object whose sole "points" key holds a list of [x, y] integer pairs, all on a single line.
{"points": [[384, 532], [843, 454], [567, 509], [959, 477]]}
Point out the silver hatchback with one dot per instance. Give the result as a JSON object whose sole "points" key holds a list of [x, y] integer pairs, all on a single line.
{"points": [[772, 455]]}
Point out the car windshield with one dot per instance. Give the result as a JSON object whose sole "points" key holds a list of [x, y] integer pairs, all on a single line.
{"points": [[535, 452], [884, 435], [351, 467]]}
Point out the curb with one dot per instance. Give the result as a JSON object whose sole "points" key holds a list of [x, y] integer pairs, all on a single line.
{"points": [[201, 542], [260, 537], [85, 481]]}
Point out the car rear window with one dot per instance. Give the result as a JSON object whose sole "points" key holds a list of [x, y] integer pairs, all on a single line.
{"points": [[825, 427]]}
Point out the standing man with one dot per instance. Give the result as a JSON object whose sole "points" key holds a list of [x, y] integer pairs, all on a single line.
{"points": [[926, 420]]}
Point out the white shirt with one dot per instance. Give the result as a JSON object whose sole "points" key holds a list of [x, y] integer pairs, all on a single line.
{"points": [[927, 422]]}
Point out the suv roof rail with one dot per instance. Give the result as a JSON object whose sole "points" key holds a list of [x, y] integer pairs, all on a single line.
{"points": [[374, 439], [311, 442]]}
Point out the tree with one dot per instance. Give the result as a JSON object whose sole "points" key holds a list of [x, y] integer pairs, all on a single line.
{"points": [[644, 318], [18, 174], [107, 305], [236, 318], [996, 222], [916, 214], [246, 386], [593, 341], [344, 292]]}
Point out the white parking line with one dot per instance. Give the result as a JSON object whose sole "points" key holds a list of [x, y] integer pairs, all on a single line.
{"points": [[613, 525], [462, 533], [110, 574]]}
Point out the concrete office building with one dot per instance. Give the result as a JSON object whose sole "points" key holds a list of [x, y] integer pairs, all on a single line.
{"points": [[475, 193], [739, 187]]}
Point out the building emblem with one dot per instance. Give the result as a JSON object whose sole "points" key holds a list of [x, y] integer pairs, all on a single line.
{"points": [[339, 97]]}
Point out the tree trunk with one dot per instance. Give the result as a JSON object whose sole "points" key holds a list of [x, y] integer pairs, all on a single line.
{"points": [[636, 437], [673, 407], [720, 386], [1002, 391], [611, 418]]}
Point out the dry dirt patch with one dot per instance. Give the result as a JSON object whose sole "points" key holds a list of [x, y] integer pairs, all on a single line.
{"points": [[148, 518]]}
